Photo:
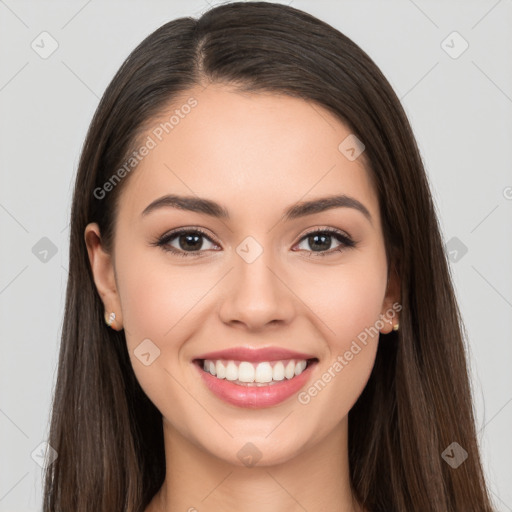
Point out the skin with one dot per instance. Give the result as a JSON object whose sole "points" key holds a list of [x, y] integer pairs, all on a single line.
{"points": [[256, 154]]}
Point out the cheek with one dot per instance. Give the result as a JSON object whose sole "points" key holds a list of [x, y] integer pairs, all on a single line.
{"points": [[348, 307], [157, 299], [157, 303], [355, 303], [347, 300]]}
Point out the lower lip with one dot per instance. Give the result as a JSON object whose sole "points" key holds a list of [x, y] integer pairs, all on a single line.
{"points": [[255, 397]]}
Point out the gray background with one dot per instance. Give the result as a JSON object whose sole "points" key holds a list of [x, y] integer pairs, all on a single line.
{"points": [[460, 109]]}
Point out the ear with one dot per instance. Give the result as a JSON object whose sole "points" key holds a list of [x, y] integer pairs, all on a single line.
{"points": [[391, 304], [104, 277]]}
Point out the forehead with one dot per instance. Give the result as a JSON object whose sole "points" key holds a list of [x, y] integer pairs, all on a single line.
{"points": [[253, 151]]}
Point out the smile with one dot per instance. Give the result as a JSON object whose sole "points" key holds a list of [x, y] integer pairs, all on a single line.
{"points": [[255, 384], [249, 373]]}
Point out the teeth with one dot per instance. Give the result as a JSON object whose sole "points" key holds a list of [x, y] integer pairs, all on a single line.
{"points": [[246, 372], [289, 371], [221, 370], [278, 371], [231, 371], [263, 373], [257, 373], [299, 368]]}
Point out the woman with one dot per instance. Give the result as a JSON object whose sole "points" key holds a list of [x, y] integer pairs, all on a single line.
{"points": [[259, 313]]}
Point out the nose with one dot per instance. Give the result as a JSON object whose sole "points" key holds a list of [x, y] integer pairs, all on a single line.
{"points": [[257, 295]]}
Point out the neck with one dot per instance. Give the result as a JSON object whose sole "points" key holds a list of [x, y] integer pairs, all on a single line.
{"points": [[315, 480]]}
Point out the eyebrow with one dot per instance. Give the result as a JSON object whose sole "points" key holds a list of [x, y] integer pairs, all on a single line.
{"points": [[209, 207]]}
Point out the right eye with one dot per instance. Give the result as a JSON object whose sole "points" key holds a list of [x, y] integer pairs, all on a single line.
{"points": [[186, 239]]}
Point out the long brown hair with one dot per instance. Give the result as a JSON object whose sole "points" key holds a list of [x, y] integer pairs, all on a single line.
{"points": [[108, 434]]}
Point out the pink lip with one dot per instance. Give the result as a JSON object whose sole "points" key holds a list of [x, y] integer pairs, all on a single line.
{"points": [[255, 355], [254, 397]]}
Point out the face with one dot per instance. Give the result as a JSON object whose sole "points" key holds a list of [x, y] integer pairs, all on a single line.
{"points": [[312, 283]]}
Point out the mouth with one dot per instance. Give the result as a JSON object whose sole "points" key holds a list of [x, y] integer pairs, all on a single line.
{"points": [[255, 384], [246, 373]]}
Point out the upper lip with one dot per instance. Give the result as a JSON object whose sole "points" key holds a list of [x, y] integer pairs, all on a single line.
{"points": [[255, 354]]}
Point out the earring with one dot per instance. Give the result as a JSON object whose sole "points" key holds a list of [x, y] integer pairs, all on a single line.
{"points": [[395, 327], [110, 319]]}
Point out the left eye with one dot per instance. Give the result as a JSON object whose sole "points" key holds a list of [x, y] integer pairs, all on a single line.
{"points": [[322, 240]]}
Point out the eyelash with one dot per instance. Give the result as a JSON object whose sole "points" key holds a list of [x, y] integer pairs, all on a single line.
{"points": [[346, 241]]}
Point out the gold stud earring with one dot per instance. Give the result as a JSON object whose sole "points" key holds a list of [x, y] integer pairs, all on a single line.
{"points": [[395, 327], [110, 320]]}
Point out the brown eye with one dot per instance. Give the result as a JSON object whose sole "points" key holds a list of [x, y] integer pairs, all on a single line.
{"points": [[185, 242], [320, 241]]}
